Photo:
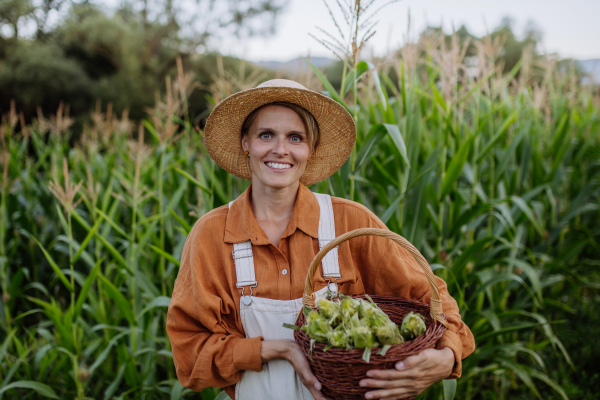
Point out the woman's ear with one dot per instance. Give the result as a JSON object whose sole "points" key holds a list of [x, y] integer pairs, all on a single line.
{"points": [[244, 142]]}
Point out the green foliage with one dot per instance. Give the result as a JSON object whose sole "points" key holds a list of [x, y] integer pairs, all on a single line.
{"points": [[496, 182], [121, 58], [39, 74]]}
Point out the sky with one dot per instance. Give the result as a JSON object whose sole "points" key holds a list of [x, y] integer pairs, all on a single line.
{"points": [[570, 28]]}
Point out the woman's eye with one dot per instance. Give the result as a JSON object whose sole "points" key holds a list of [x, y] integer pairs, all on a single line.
{"points": [[265, 135], [296, 139]]}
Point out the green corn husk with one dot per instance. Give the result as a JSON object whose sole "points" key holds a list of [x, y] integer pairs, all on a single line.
{"points": [[373, 314], [354, 323], [377, 318], [362, 337], [317, 327], [339, 338], [389, 334], [366, 310], [349, 307], [330, 310], [413, 325], [312, 316]]}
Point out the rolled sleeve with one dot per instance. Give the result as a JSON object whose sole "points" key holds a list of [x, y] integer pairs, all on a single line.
{"points": [[451, 340], [246, 354]]}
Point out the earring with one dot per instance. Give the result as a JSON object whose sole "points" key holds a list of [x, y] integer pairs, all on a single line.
{"points": [[308, 158], [246, 153]]}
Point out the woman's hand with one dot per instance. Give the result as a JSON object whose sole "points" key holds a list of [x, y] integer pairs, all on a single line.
{"points": [[290, 351], [411, 376]]}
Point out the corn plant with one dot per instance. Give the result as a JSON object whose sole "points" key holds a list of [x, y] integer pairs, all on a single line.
{"points": [[494, 177]]}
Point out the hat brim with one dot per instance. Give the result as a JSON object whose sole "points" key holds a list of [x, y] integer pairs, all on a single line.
{"points": [[336, 127]]}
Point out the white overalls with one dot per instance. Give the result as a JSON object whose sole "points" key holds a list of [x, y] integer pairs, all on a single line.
{"points": [[265, 317]]}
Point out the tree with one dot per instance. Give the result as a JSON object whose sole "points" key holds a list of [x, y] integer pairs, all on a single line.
{"points": [[121, 57], [42, 13], [12, 11]]}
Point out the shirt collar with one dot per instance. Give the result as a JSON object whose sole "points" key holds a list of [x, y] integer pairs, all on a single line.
{"points": [[241, 225]]}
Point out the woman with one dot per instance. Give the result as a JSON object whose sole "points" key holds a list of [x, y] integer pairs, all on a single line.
{"points": [[244, 265]]}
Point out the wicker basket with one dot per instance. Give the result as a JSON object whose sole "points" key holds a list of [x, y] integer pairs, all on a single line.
{"points": [[340, 370]]}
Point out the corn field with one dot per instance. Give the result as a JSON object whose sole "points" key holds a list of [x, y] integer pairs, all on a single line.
{"points": [[493, 176]]}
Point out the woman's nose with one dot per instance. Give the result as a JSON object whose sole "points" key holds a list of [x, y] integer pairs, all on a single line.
{"points": [[280, 147]]}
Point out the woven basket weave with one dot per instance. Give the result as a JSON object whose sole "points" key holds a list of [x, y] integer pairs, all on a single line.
{"points": [[340, 370]]}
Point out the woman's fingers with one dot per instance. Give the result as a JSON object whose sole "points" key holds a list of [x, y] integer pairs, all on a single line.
{"points": [[411, 376], [302, 368], [317, 394], [313, 386], [416, 367], [393, 374], [389, 374], [311, 382], [391, 394], [386, 383]]}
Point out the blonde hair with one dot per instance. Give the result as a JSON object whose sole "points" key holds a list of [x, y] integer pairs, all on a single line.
{"points": [[310, 123]]}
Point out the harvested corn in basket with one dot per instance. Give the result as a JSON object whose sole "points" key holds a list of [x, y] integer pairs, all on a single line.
{"points": [[340, 368], [353, 323]]}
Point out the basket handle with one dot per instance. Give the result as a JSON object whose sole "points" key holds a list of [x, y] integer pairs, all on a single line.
{"points": [[436, 303]]}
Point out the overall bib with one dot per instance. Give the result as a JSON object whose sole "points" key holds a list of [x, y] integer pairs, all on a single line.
{"points": [[265, 317]]}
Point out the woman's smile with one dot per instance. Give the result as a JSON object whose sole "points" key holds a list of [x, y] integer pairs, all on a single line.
{"points": [[279, 166]]}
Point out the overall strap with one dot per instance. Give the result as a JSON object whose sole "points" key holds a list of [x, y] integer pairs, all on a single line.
{"points": [[244, 263], [330, 263]]}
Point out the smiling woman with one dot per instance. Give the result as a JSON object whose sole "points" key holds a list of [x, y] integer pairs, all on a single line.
{"points": [[227, 313]]}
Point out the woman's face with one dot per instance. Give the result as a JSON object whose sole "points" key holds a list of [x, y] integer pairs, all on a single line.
{"points": [[277, 143]]}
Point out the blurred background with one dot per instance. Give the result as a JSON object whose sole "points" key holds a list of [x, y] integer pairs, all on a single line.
{"points": [[120, 52], [478, 139]]}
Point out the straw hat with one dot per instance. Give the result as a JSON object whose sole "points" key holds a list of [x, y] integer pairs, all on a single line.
{"points": [[336, 126]]}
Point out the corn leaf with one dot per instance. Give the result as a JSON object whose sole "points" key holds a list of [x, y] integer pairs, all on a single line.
{"points": [[449, 389], [39, 388], [378, 88], [503, 128], [86, 241], [177, 390], [376, 133], [456, 166], [474, 250], [223, 396], [519, 202], [354, 76], [181, 221], [114, 385], [119, 300], [55, 267], [396, 136], [161, 301], [165, 255], [193, 180], [327, 85], [105, 353], [86, 289], [115, 253]]}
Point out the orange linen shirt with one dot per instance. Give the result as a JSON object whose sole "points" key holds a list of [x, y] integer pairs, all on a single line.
{"points": [[203, 322]]}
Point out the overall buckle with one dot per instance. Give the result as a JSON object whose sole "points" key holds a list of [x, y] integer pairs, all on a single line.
{"points": [[247, 299], [334, 292]]}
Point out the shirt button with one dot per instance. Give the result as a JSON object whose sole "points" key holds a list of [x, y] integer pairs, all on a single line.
{"points": [[284, 272]]}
